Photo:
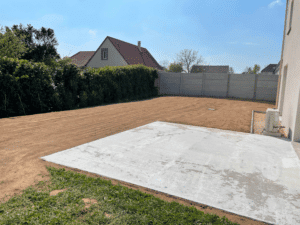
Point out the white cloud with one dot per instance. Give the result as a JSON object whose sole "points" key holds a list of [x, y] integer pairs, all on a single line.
{"points": [[93, 33], [244, 43], [249, 43], [276, 2]]}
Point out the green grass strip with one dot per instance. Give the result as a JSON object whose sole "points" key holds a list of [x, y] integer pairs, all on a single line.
{"points": [[125, 205]]}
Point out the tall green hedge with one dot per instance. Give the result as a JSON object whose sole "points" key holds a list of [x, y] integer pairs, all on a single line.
{"points": [[25, 87], [29, 88]]}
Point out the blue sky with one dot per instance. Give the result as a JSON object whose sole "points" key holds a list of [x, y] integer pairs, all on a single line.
{"points": [[237, 33]]}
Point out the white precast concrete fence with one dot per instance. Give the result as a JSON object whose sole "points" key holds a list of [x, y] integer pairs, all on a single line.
{"points": [[245, 86]]}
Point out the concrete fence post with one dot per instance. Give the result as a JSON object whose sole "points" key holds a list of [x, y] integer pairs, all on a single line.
{"points": [[255, 86], [180, 84], [228, 80], [203, 83]]}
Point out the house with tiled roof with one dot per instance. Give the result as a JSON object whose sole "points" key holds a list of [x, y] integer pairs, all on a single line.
{"points": [[114, 52], [81, 58], [209, 69]]}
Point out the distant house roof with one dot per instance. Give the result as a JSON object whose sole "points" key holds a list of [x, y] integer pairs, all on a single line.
{"points": [[211, 69], [131, 54], [81, 58], [270, 68]]}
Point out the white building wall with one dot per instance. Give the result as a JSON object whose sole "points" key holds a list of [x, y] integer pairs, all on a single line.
{"points": [[290, 101], [114, 57]]}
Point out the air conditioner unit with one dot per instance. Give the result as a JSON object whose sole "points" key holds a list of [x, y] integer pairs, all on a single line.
{"points": [[272, 123]]}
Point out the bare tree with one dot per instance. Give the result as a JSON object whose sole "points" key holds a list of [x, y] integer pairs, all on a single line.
{"points": [[187, 58], [231, 70], [164, 63], [248, 70]]}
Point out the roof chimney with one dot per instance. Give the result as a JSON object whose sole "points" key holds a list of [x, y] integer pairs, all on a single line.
{"points": [[139, 45]]}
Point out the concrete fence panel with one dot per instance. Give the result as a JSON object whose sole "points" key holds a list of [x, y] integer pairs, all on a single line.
{"points": [[266, 88], [191, 84], [241, 85], [215, 84], [249, 86], [169, 83]]}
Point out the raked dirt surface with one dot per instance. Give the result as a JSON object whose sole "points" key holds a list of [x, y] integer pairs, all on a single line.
{"points": [[24, 139]]}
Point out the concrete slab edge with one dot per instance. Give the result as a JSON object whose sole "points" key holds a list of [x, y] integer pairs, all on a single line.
{"points": [[225, 210], [176, 197]]}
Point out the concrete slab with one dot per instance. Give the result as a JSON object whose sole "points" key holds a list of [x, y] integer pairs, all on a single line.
{"points": [[247, 174]]}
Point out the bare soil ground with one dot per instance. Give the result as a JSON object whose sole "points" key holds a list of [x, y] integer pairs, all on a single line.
{"points": [[24, 139]]}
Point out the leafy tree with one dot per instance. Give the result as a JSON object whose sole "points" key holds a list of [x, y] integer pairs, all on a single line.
{"points": [[65, 61], [11, 46], [231, 70], [41, 43], [55, 64], [187, 58], [175, 67], [255, 69]]}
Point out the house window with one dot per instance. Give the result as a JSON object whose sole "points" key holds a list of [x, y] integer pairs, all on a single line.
{"points": [[291, 17], [104, 53]]}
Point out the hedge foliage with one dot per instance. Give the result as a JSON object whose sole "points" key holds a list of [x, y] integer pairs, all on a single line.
{"points": [[29, 88]]}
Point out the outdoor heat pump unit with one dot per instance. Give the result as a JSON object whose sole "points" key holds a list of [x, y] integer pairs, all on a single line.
{"points": [[272, 123]]}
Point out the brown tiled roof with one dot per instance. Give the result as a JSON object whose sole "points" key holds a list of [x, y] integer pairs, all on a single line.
{"points": [[270, 68], [132, 55], [81, 58], [211, 69]]}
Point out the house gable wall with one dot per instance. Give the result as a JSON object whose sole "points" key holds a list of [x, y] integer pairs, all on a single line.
{"points": [[291, 59], [114, 57]]}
